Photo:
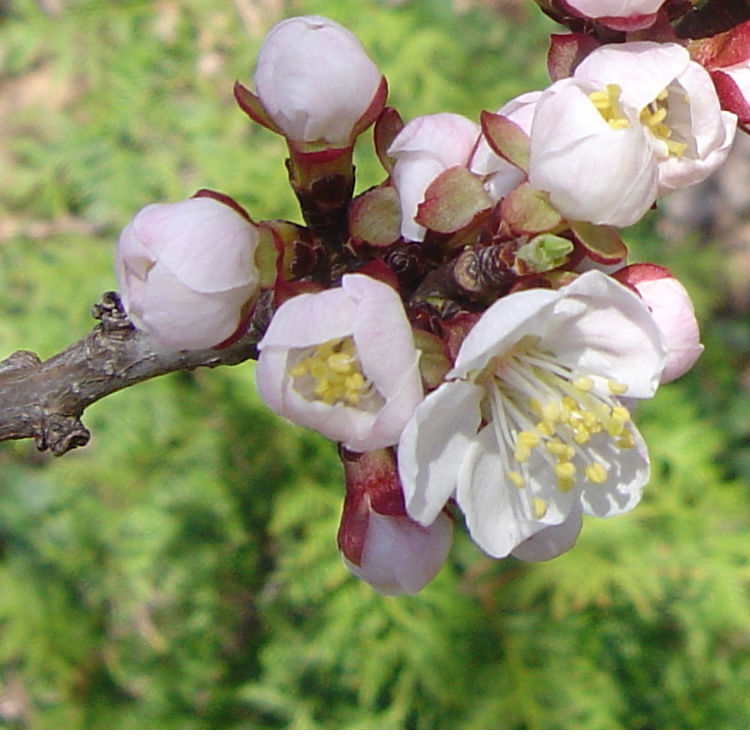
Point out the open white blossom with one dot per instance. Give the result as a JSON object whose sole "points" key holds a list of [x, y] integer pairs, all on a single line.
{"points": [[635, 121], [530, 429], [343, 362]]}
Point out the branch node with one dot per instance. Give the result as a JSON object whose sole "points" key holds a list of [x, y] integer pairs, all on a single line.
{"points": [[60, 434], [21, 361], [110, 312]]}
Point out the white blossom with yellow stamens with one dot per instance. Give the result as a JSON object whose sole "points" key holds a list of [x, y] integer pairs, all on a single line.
{"points": [[530, 429], [343, 362], [677, 105]]}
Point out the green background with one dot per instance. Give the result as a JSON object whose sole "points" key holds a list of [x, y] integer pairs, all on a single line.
{"points": [[181, 571]]}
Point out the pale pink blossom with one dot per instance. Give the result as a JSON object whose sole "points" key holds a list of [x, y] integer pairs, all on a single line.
{"points": [[316, 81], [186, 271], [592, 170], [343, 362], [425, 147], [530, 430]]}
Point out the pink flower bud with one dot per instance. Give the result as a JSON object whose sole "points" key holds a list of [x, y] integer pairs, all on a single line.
{"points": [[316, 81], [186, 271], [399, 555], [380, 544], [425, 147], [672, 311], [733, 87]]}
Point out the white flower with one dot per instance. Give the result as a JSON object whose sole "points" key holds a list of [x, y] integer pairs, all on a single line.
{"points": [[343, 362], [500, 176], [186, 271], [676, 102], [400, 556], [635, 121], [316, 81], [672, 311], [529, 429], [592, 158], [423, 149]]}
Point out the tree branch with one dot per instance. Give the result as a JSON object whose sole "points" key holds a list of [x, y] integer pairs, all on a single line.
{"points": [[45, 400]]}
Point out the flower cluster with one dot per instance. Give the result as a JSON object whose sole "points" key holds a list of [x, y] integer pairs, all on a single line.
{"points": [[468, 331]]}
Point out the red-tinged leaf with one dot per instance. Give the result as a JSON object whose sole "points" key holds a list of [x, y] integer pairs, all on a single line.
{"points": [[637, 273], [602, 243], [387, 127], [506, 139], [375, 217], [566, 52], [527, 211], [380, 270], [251, 105], [452, 201], [434, 362]]}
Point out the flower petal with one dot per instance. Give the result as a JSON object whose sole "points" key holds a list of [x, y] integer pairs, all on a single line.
{"points": [[433, 444], [551, 541]]}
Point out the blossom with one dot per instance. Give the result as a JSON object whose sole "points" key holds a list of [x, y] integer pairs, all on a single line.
{"points": [[316, 82], [186, 271], [425, 147], [676, 102], [642, 116], [530, 429], [342, 362], [672, 310], [499, 175], [595, 163]]}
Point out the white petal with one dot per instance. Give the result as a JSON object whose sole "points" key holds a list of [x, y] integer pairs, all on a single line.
{"points": [[311, 319], [608, 331], [500, 327], [184, 319], [433, 444], [641, 68], [570, 139], [206, 244], [551, 541], [628, 473], [492, 505]]}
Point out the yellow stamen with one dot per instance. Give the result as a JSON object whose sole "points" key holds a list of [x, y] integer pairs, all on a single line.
{"points": [[540, 507]]}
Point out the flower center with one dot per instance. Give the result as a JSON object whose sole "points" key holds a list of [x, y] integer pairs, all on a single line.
{"points": [[654, 117], [607, 102], [331, 372], [542, 409]]}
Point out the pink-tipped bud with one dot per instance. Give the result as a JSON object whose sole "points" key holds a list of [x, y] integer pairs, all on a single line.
{"points": [[380, 544], [672, 311], [316, 82], [187, 271]]}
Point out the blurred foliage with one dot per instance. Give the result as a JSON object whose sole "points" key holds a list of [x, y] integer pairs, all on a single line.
{"points": [[182, 571]]}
